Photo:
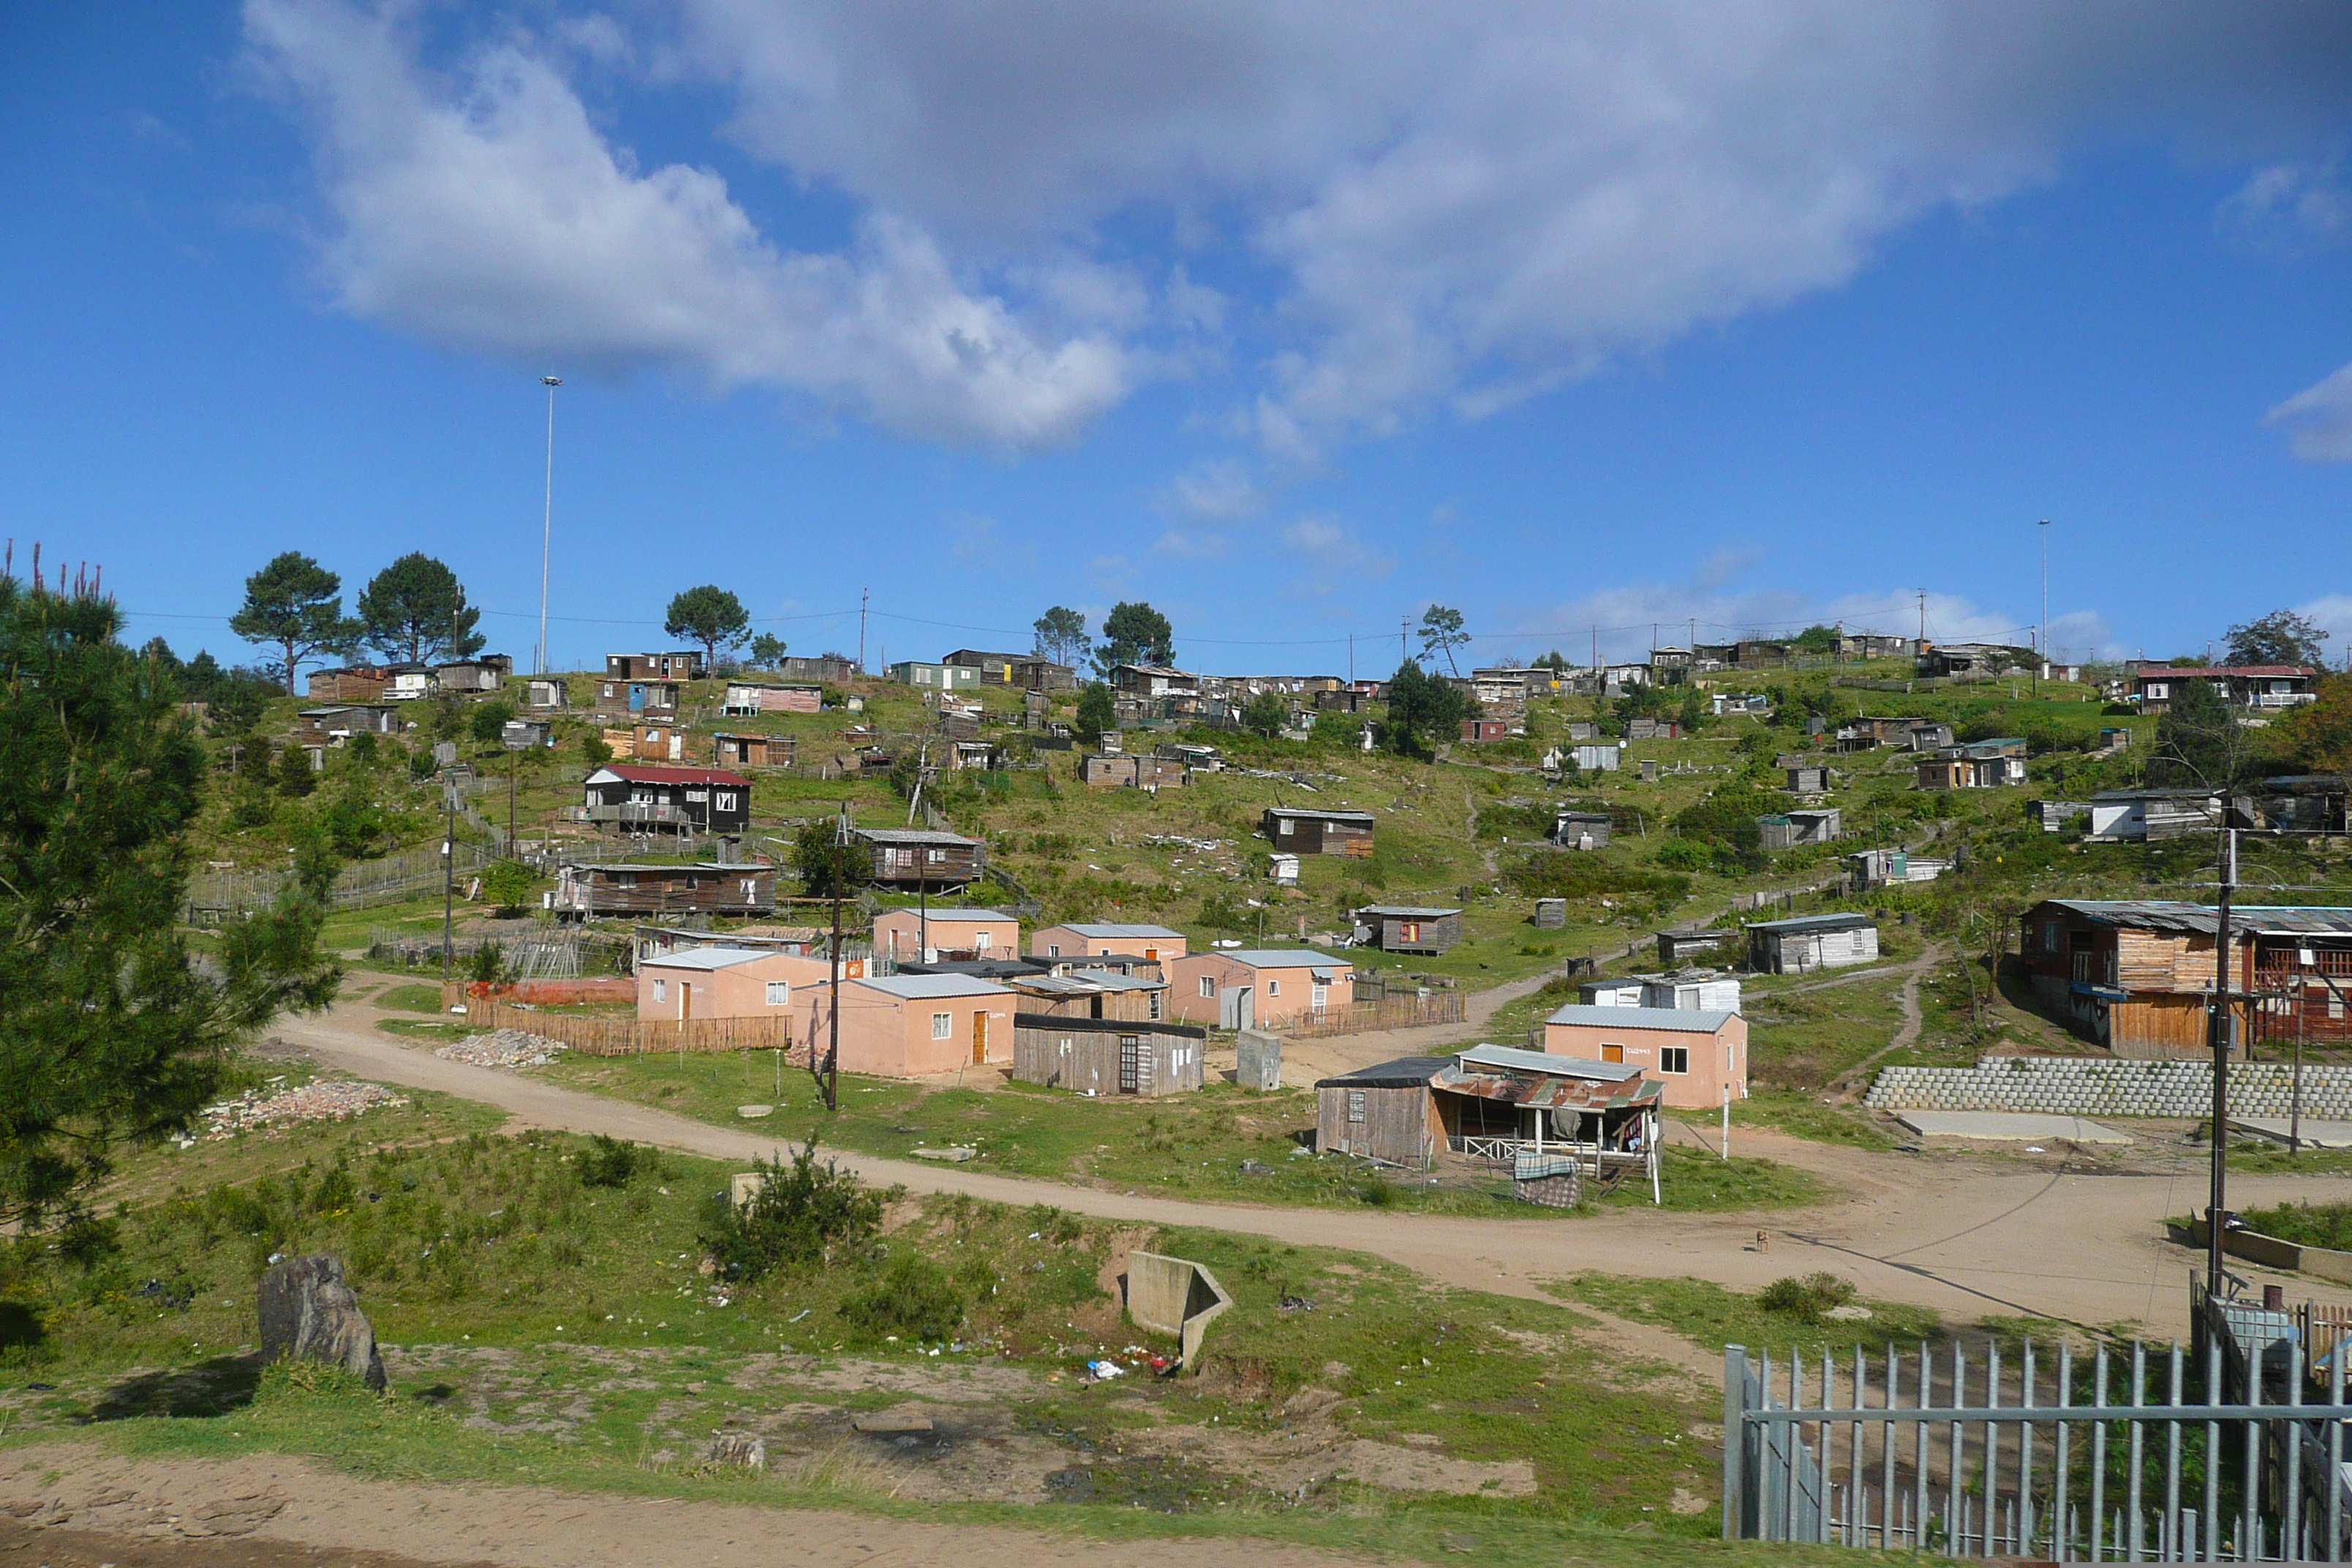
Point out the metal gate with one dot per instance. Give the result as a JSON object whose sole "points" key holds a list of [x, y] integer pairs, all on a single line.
{"points": [[2132, 1454]]}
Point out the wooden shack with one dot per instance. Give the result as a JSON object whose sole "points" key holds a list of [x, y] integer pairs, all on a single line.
{"points": [[1107, 1057], [1407, 927], [730, 751], [709, 889], [1116, 770], [1130, 998], [1808, 942], [1315, 830], [358, 683], [1384, 1112], [1787, 830], [1676, 948], [1582, 829], [748, 699], [921, 857]]}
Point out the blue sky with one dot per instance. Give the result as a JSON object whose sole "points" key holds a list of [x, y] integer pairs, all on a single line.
{"points": [[1569, 317]]}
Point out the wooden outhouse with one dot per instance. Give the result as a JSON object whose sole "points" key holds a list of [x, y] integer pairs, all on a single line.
{"points": [[1582, 829], [1107, 1057]]}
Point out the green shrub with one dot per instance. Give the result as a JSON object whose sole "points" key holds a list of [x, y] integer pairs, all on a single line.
{"points": [[797, 1214], [1808, 1298], [1685, 854], [611, 1161], [910, 1296]]}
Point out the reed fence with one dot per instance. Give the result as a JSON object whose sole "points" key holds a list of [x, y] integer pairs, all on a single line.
{"points": [[593, 1036], [1394, 1013]]}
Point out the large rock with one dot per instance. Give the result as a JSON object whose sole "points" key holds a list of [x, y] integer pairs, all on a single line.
{"points": [[307, 1313]]}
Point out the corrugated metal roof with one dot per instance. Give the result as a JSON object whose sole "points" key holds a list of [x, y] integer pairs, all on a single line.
{"points": [[1810, 923], [703, 958], [1317, 811], [2199, 920], [1404, 1072], [1550, 1091], [1407, 911], [1106, 932], [908, 835], [932, 987], [1513, 1059], [954, 917], [1279, 958], [1682, 1020]]}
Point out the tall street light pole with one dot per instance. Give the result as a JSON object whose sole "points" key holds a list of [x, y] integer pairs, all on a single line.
{"points": [[547, 518], [2043, 634]]}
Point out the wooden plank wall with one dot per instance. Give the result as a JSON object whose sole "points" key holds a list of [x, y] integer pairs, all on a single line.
{"points": [[1399, 1125], [633, 1036], [1396, 1013]]}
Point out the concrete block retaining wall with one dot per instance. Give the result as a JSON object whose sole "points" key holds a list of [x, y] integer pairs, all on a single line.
{"points": [[2097, 1086]]}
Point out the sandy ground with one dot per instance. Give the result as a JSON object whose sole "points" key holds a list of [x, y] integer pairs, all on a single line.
{"points": [[2063, 1235], [74, 1506]]}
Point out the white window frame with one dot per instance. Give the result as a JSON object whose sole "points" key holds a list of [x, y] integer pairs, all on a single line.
{"points": [[1669, 1056], [1273, 988], [1318, 997], [983, 942], [780, 992], [943, 1025], [661, 990], [1208, 985]]}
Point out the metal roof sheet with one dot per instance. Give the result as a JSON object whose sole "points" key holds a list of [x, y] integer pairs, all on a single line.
{"points": [[1404, 1072], [1107, 930], [1810, 923], [1682, 1020], [1326, 813], [1278, 958], [1407, 911], [1512, 1058], [703, 958], [2199, 920], [928, 987], [953, 917], [908, 835]]}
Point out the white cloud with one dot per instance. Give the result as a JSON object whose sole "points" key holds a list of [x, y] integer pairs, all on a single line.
{"points": [[2318, 420], [1214, 490], [1329, 555], [1196, 546], [2288, 208], [487, 212], [1438, 207], [2334, 612]]}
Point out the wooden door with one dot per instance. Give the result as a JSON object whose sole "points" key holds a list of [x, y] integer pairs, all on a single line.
{"points": [[978, 1037], [1130, 1063]]}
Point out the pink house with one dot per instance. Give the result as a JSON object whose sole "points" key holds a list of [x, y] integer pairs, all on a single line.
{"points": [[1086, 940], [1696, 1054], [1243, 988], [981, 934], [912, 1025], [718, 983]]}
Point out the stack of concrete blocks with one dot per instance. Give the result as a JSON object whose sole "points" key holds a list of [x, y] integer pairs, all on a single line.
{"points": [[2098, 1086]]}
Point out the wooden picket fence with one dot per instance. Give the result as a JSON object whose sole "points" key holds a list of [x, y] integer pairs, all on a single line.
{"points": [[1394, 1013], [632, 1037]]}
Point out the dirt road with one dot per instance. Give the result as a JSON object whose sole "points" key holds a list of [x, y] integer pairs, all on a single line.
{"points": [[84, 1507], [1967, 1237]]}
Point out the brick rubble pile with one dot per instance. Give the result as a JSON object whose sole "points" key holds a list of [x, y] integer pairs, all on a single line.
{"points": [[502, 1048], [329, 1099]]}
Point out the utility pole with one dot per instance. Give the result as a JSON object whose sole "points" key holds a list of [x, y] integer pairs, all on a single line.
{"points": [[1351, 659], [547, 518], [831, 1077], [1923, 622], [1404, 628], [2222, 1026], [449, 871], [2041, 636], [863, 596]]}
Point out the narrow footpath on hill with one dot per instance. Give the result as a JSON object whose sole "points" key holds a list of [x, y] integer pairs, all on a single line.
{"points": [[1968, 1237]]}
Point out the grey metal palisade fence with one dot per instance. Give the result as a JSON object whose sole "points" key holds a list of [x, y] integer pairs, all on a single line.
{"points": [[2133, 1458]]}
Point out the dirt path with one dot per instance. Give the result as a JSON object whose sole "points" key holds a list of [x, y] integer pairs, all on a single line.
{"points": [[1906, 1036], [1967, 1237], [88, 1509]]}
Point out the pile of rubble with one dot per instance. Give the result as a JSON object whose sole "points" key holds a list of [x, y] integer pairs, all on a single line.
{"points": [[502, 1048], [328, 1099]]}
